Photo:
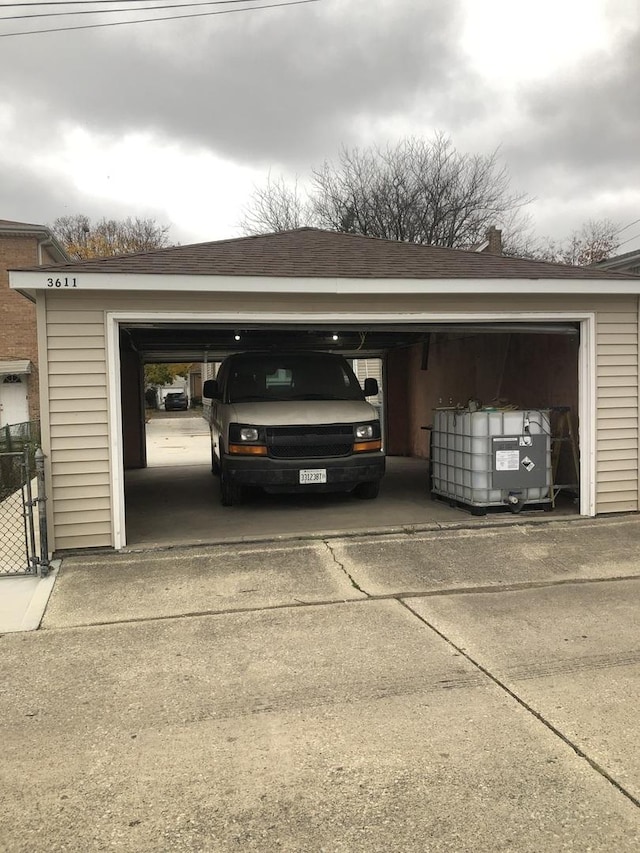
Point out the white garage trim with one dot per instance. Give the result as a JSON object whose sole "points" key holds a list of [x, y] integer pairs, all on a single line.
{"points": [[45, 422], [114, 409], [76, 282], [586, 376]]}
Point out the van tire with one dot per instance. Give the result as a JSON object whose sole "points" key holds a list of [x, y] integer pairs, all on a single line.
{"points": [[215, 465], [230, 491], [367, 491]]}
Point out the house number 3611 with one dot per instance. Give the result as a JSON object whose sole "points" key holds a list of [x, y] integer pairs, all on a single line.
{"points": [[61, 282]]}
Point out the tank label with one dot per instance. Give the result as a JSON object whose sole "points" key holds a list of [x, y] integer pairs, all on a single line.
{"points": [[507, 460]]}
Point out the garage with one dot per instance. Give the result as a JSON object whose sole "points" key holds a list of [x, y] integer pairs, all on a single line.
{"points": [[452, 329]]}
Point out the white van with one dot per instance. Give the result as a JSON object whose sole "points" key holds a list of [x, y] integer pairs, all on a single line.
{"points": [[293, 422]]}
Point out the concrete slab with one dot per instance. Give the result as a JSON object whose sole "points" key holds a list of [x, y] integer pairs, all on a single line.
{"points": [[23, 600], [178, 502], [346, 727], [158, 584], [492, 556], [179, 440], [571, 652]]}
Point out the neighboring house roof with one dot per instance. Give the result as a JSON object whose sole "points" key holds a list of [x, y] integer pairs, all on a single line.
{"points": [[312, 252], [629, 262], [20, 365], [41, 232], [9, 225]]}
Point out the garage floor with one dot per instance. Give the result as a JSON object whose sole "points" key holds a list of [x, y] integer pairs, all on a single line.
{"points": [[175, 500]]}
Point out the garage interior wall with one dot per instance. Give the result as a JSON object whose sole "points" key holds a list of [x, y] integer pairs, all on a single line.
{"points": [[77, 383], [531, 371], [134, 444]]}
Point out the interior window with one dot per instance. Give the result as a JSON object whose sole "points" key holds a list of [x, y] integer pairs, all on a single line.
{"points": [[281, 377]]}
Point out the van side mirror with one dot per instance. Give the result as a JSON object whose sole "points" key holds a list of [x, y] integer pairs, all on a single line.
{"points": [[370, 386], [210, 389]]}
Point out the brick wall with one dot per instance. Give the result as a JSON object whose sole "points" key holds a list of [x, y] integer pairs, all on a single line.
{"points": [[17, 314]]}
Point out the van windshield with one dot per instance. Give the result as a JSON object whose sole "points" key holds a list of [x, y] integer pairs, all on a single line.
{"points": [[292, 376]]}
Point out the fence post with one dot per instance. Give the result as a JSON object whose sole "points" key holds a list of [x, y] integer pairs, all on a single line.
{"points": [[43, 562], [30, 536]]}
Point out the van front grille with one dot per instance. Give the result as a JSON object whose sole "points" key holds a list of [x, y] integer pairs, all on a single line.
{"points": [[311, 451], [316, 442]]}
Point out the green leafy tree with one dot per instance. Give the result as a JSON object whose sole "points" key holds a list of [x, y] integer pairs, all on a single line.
{"points": [[164, 374]]}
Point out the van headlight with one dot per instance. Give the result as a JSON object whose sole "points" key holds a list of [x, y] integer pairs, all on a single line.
{"points": [[364, 431], [246, 439], [366, 437]]}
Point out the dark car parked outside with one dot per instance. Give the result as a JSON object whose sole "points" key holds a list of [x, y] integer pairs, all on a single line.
{"points": [[176, 401]]}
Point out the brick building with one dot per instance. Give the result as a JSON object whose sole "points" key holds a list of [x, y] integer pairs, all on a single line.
{"points": [[21, 245]]}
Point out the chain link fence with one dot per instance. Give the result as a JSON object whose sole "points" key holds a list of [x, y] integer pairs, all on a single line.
{"points": [[19, 541], [16, 438]]}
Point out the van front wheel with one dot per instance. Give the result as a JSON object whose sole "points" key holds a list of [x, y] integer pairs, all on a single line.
{"points": [[230, 491], [367, 491], [215, 465]]}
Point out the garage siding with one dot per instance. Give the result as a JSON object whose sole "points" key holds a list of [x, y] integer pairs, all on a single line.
{"points": [[617, 409], [78, 385], [79, 444]]}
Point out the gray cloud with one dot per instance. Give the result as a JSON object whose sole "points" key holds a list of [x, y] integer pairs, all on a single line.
{"points": [[285, 88], [583, 130], [283, 85], [26, 197]]}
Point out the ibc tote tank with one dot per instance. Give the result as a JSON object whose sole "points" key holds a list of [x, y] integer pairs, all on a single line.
{"points": [[492, 457]]}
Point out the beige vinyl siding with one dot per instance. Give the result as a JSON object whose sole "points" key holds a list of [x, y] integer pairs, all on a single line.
{"points": [[78, 383], [370, 368], [80, 418], [617, 409], [84, 483], [64, 505], [79, 442]]}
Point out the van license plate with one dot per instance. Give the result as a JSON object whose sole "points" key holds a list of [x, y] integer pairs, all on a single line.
{"points": [[313, 475]]}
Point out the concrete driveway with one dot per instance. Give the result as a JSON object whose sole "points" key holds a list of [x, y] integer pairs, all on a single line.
{"points": [[461, 690]]}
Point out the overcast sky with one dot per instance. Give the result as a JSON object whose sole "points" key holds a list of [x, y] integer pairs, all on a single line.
{"points": [[179, 120]]}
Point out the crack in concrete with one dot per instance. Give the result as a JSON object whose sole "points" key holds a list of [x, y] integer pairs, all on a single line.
{"points": [[329, 602], [526, 706], [343, 569]]}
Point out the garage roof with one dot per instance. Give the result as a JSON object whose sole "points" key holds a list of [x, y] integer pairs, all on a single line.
{"points": [[312, 252]]}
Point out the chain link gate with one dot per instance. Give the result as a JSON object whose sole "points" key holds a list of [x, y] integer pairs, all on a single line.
{"points": [[23, 543]]}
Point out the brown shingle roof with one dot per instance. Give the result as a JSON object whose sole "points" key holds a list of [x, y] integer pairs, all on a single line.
{"points": [[311, 252]]}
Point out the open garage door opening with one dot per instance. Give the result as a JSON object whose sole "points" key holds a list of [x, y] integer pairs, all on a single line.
{"points": [[425, 371]]}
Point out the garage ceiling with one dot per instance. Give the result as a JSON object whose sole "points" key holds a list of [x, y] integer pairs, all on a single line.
{"points": [[189, 342]]}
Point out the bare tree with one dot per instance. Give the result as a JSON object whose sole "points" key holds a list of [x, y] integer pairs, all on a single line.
{"points": [[108, 237], [417, 191], [595, 241], [277, 206]]}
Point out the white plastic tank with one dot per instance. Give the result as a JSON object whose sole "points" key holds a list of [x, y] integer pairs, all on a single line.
{"points": [[463, 456]]}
